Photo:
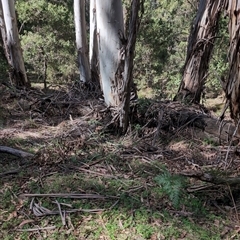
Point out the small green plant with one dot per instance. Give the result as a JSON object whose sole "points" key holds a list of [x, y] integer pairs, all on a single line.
{"points": [[172, 185], [143, 105], [210, 141]]}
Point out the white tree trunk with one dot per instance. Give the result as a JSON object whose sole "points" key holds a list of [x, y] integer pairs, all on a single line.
{"points": [[110, 30], [93, 45], [12, 44], [81, 40]]}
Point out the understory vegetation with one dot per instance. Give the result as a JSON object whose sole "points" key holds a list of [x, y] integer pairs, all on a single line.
{"points": [[169, 177]]}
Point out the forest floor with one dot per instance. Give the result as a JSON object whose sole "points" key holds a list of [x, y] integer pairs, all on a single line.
{"points": [[85, 182]]}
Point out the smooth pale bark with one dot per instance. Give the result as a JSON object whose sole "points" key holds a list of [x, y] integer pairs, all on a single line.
{"points": [[200, 46], [81, 40], [12, 45], [233, 82], [93, 45], [110, 30], [116, 54]]}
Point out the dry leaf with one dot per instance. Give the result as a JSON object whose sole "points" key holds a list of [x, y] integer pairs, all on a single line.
{"points": [[25, 222]]}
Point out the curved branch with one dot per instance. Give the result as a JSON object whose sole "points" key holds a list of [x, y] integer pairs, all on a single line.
{"points": [[15, 152]]}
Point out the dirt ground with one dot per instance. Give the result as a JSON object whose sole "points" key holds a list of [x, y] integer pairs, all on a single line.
{"points": [[74, 153]]}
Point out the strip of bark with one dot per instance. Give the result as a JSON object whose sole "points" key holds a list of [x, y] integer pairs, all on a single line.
{"points": [[36, 229], [14, 171], [67, 195]]}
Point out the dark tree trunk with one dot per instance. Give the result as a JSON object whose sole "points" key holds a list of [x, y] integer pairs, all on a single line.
{"points": [[128, 68], [233, 82], [200, 45]]}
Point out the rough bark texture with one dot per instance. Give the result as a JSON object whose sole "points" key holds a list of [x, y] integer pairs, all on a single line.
{"points": [[128, 66], [93, 44], [81, 40], [116, 53], [12, 46], [233, 82], [199, 50]]}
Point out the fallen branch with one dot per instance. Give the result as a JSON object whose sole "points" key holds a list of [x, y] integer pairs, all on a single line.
{"points": [[40, 211], [14, 171], [36, 229], [210, 178], [66, 195], [15, 152], [62, 213]]}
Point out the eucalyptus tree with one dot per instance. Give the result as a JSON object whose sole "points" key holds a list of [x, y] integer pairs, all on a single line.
{"points": [[10, 37], [232, 83], [199, 50], [81, 40], [93, 44], [116, 53]]}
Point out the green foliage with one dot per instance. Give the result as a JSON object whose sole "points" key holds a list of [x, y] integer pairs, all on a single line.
{"points": [[210, 141], [48, 39], [173, 186], [161, 48], [161, 44], [3, 64], [143, 105], [219, 62], [48, 43]]}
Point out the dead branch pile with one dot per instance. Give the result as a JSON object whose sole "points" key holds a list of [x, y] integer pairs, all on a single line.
{"points": [[175, 116]]}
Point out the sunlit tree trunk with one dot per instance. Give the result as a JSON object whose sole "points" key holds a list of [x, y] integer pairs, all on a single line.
{"points": [[200, 46], [12, 45], [110, 31], [233, 82], [116, 56], [81, 40]]}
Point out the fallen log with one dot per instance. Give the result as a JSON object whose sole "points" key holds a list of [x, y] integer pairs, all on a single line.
{"points": [[224, 130], [15, 152]]}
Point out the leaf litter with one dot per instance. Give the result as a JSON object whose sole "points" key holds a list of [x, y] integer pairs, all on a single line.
{"points": [[73, 139]]}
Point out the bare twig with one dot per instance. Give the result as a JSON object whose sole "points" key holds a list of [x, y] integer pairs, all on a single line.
{"points": [[41, 211], [63, 215], [14, 171], [234, 204], [229, 146], [66, 195], [36, 229]]}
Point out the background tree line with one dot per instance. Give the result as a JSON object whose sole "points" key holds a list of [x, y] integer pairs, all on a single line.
{"points": [[48, 41]]}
